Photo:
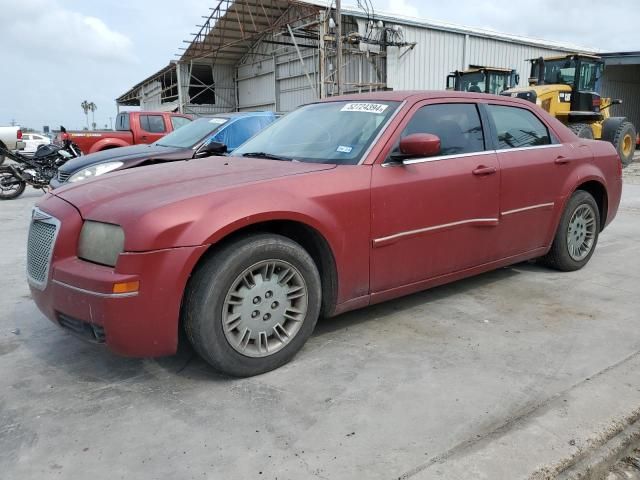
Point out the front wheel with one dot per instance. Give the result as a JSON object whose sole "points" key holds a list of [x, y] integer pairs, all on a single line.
{"points": [[577, 234], [251, 306], [11, 186]]}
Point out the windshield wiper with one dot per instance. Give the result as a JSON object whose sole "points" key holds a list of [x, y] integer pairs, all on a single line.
{"points": [[268, 156]]}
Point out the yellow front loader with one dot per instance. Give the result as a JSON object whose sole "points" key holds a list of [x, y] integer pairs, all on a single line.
{"points": [[568, 87]]}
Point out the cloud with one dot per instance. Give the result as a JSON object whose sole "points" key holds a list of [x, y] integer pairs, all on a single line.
{"points": [[564, 21], [52, 30], [402, 7]]}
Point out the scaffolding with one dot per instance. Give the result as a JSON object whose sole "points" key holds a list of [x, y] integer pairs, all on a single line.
{"points": [[271, 54]]}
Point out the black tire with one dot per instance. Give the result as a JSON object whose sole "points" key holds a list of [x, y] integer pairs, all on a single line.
{"points": [[211, 285], [2, 157], [624, 139], [559, 257], [9, 192], [582, 130]]}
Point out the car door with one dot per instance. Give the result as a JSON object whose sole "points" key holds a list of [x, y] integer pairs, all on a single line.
{"points": [[533, 165], [153, 128], [437, 215]]}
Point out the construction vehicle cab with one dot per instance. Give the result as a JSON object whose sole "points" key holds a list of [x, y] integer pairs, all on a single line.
{"points": [[568, 87], [483, 80]]}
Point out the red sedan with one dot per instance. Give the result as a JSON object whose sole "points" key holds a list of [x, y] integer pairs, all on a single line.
{"points": [[340, 204]]}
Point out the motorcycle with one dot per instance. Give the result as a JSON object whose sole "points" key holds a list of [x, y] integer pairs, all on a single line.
{"points": [[36, 171]]}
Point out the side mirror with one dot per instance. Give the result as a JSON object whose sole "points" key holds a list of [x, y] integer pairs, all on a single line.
{"points": [[211, 148], [419, 145], [517, 79]]}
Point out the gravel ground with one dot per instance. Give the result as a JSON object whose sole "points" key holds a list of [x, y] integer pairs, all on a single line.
{"points": [[631, 173]]}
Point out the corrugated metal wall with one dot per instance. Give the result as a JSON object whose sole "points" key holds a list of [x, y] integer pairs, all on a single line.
{"points": [[623, 82], [438, 53], [272, 77]]}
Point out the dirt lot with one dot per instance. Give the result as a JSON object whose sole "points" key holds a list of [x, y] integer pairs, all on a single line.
{"points": [[514, 373]]}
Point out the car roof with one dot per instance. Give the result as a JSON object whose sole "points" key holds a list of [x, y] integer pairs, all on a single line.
{"points": [[418, 95], [240, 114]]}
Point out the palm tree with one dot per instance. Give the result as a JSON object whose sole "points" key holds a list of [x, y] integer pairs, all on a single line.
{"points": [[85, 106], [93, 107]]}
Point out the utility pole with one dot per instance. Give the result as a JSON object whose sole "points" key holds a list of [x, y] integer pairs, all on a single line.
{"points": [[322, 30], [339, 45]]}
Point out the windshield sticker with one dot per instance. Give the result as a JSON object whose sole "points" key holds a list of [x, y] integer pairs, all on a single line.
{"points": [[344, 149], [218, 121], [365, 107]]}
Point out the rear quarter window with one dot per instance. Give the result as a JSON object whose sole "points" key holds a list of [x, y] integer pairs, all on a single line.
{"points": [[517, 128]]}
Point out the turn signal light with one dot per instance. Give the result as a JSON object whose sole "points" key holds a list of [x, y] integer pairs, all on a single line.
{"points": [[126, 287]]}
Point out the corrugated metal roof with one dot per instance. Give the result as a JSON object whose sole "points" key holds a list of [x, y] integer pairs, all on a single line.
{"points": [[450, 27]]}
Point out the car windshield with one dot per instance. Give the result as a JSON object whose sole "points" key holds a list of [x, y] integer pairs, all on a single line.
{"points": [[559, 71], [191, 135], [472, 82], [331, 132]]}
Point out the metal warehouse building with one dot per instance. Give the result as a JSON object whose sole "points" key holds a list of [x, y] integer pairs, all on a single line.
{"points": [[279, 54]]}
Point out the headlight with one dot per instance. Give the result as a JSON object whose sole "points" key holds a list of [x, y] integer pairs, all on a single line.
{"points": [[94, 171], [101, 243]]}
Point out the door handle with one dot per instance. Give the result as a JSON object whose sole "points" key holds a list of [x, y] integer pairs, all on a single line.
{"points": [[482, 170], [561, 160]]}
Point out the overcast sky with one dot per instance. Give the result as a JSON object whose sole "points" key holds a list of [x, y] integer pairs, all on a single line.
{"points": [[57, 53]]}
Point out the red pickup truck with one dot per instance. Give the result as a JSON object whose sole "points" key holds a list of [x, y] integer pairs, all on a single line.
{"points": [[132, 128]]}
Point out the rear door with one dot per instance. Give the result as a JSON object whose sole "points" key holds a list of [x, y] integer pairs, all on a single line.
{"points": [[533, 164], [437, 215], [153, 128]]}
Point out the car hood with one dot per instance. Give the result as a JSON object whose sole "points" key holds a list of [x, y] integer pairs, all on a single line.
{"points": [[131, 156], [129, 195]]}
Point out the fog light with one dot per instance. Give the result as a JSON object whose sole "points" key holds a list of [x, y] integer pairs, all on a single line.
{"points": [[126, 287]]}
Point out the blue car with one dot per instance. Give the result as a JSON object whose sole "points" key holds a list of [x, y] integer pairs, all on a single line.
{"points": [[203, 137]]}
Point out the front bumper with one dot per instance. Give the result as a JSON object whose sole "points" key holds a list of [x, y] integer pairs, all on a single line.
{"points": [[78, 295]]}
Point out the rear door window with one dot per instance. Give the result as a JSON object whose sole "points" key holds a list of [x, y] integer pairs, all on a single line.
{"points": [[152, 123], [518, 127], [456, 124]]}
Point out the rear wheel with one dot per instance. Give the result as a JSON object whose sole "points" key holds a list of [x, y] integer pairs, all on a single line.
{"points": [[251, 306], [624, 140], [582, 130], [10, 186], [577, 234]]}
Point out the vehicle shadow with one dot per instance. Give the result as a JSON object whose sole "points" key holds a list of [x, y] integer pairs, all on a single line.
{"points": [[425, 297], [84, 362]]}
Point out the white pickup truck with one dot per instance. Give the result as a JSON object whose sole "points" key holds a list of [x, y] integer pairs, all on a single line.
{"points": [[11, 139]]}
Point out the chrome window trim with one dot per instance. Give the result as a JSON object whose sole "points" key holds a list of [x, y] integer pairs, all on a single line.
{"points": [[535, 147], [530, 207], [38, 215], [95, 294], [380, 133], [447, 157], [418, 231], [471, 154]]}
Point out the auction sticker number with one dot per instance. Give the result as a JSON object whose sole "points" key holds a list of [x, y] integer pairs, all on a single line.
{"points": [[365, 107]]}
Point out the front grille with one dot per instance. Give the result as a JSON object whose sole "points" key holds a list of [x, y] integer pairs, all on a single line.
{"points": [[42, 236], [85, 330], [63, 176]]}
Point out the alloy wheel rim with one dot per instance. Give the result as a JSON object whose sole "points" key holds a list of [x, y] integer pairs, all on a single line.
{"points": [[627, 142], [581, 232], [264, 308]]}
